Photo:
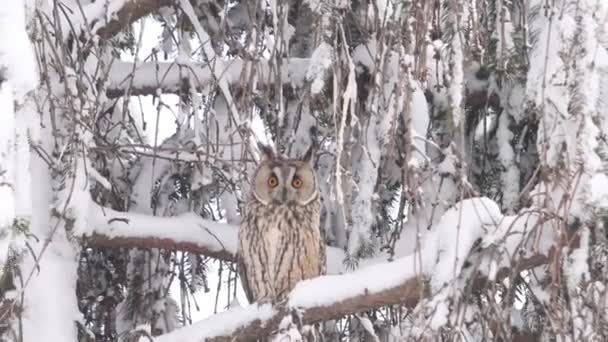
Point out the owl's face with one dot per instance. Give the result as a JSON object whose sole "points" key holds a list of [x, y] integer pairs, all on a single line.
{"points": [[285, 182]]}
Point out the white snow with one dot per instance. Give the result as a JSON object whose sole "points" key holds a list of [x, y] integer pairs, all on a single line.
{"points": [[219, 324], [54, 266], [18, 76], [420, 121], [8, 156], [364, 54], [186, 227], [454, 58], [486, 125], [330, 289], [598, 186], [576, 268], [93, 14], [448, 164], [510, 175], [165, 75], [320, 62], [16, 52], [457, 231], [439, 258]]}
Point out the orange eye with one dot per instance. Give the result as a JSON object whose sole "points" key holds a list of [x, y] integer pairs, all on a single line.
{"points": [[273, 181], [296, 183]]}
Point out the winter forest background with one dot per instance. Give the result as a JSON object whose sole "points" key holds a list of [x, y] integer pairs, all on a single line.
{"points": [[462, 155]]}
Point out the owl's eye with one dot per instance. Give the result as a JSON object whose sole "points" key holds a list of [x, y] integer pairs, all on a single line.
{"points": [[296, 182], [273, 181]]}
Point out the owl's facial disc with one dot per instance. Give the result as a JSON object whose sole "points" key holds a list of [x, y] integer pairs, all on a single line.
{"points": [[285, 183]]}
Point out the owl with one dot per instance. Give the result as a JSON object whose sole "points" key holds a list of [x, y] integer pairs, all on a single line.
{"points": [[280, 240]]}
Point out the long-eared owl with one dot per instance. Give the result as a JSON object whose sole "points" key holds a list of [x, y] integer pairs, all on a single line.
{"points": [[280, 240]]}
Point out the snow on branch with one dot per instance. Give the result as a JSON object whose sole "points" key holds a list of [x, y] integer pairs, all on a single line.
{"points": [[187, 232], [404, 281], [128, 13], [147, 78], [366, 288], [105, 18]]}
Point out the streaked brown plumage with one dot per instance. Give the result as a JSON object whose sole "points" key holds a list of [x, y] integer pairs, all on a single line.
{"points": [[280, 242]]}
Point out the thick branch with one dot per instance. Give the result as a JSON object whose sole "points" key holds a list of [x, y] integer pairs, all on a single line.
{"points": [[147, 78], [320, 299], [187, 233], [327, 297], [386, 283], [129, 13]]}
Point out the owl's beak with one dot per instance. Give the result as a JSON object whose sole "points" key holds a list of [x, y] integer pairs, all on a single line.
{"points": [[284, 195]]}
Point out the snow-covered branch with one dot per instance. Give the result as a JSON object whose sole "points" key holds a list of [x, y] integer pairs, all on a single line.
{"points": [[322, 299], [315, 300], [147, 78], [405, 281], [128, 13], [187, 232], [107, 18]]}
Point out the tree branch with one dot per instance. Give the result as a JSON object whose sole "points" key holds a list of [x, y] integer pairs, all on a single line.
{"points": [[130, 12], [147, 78], [187, 232], [319, 300], [334, 296]]}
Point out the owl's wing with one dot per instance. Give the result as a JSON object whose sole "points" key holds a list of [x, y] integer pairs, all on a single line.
{"points": [[242, 271]]}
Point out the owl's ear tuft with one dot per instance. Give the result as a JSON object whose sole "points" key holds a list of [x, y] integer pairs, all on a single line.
{"points": [[266, 151], [307, 157]]}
